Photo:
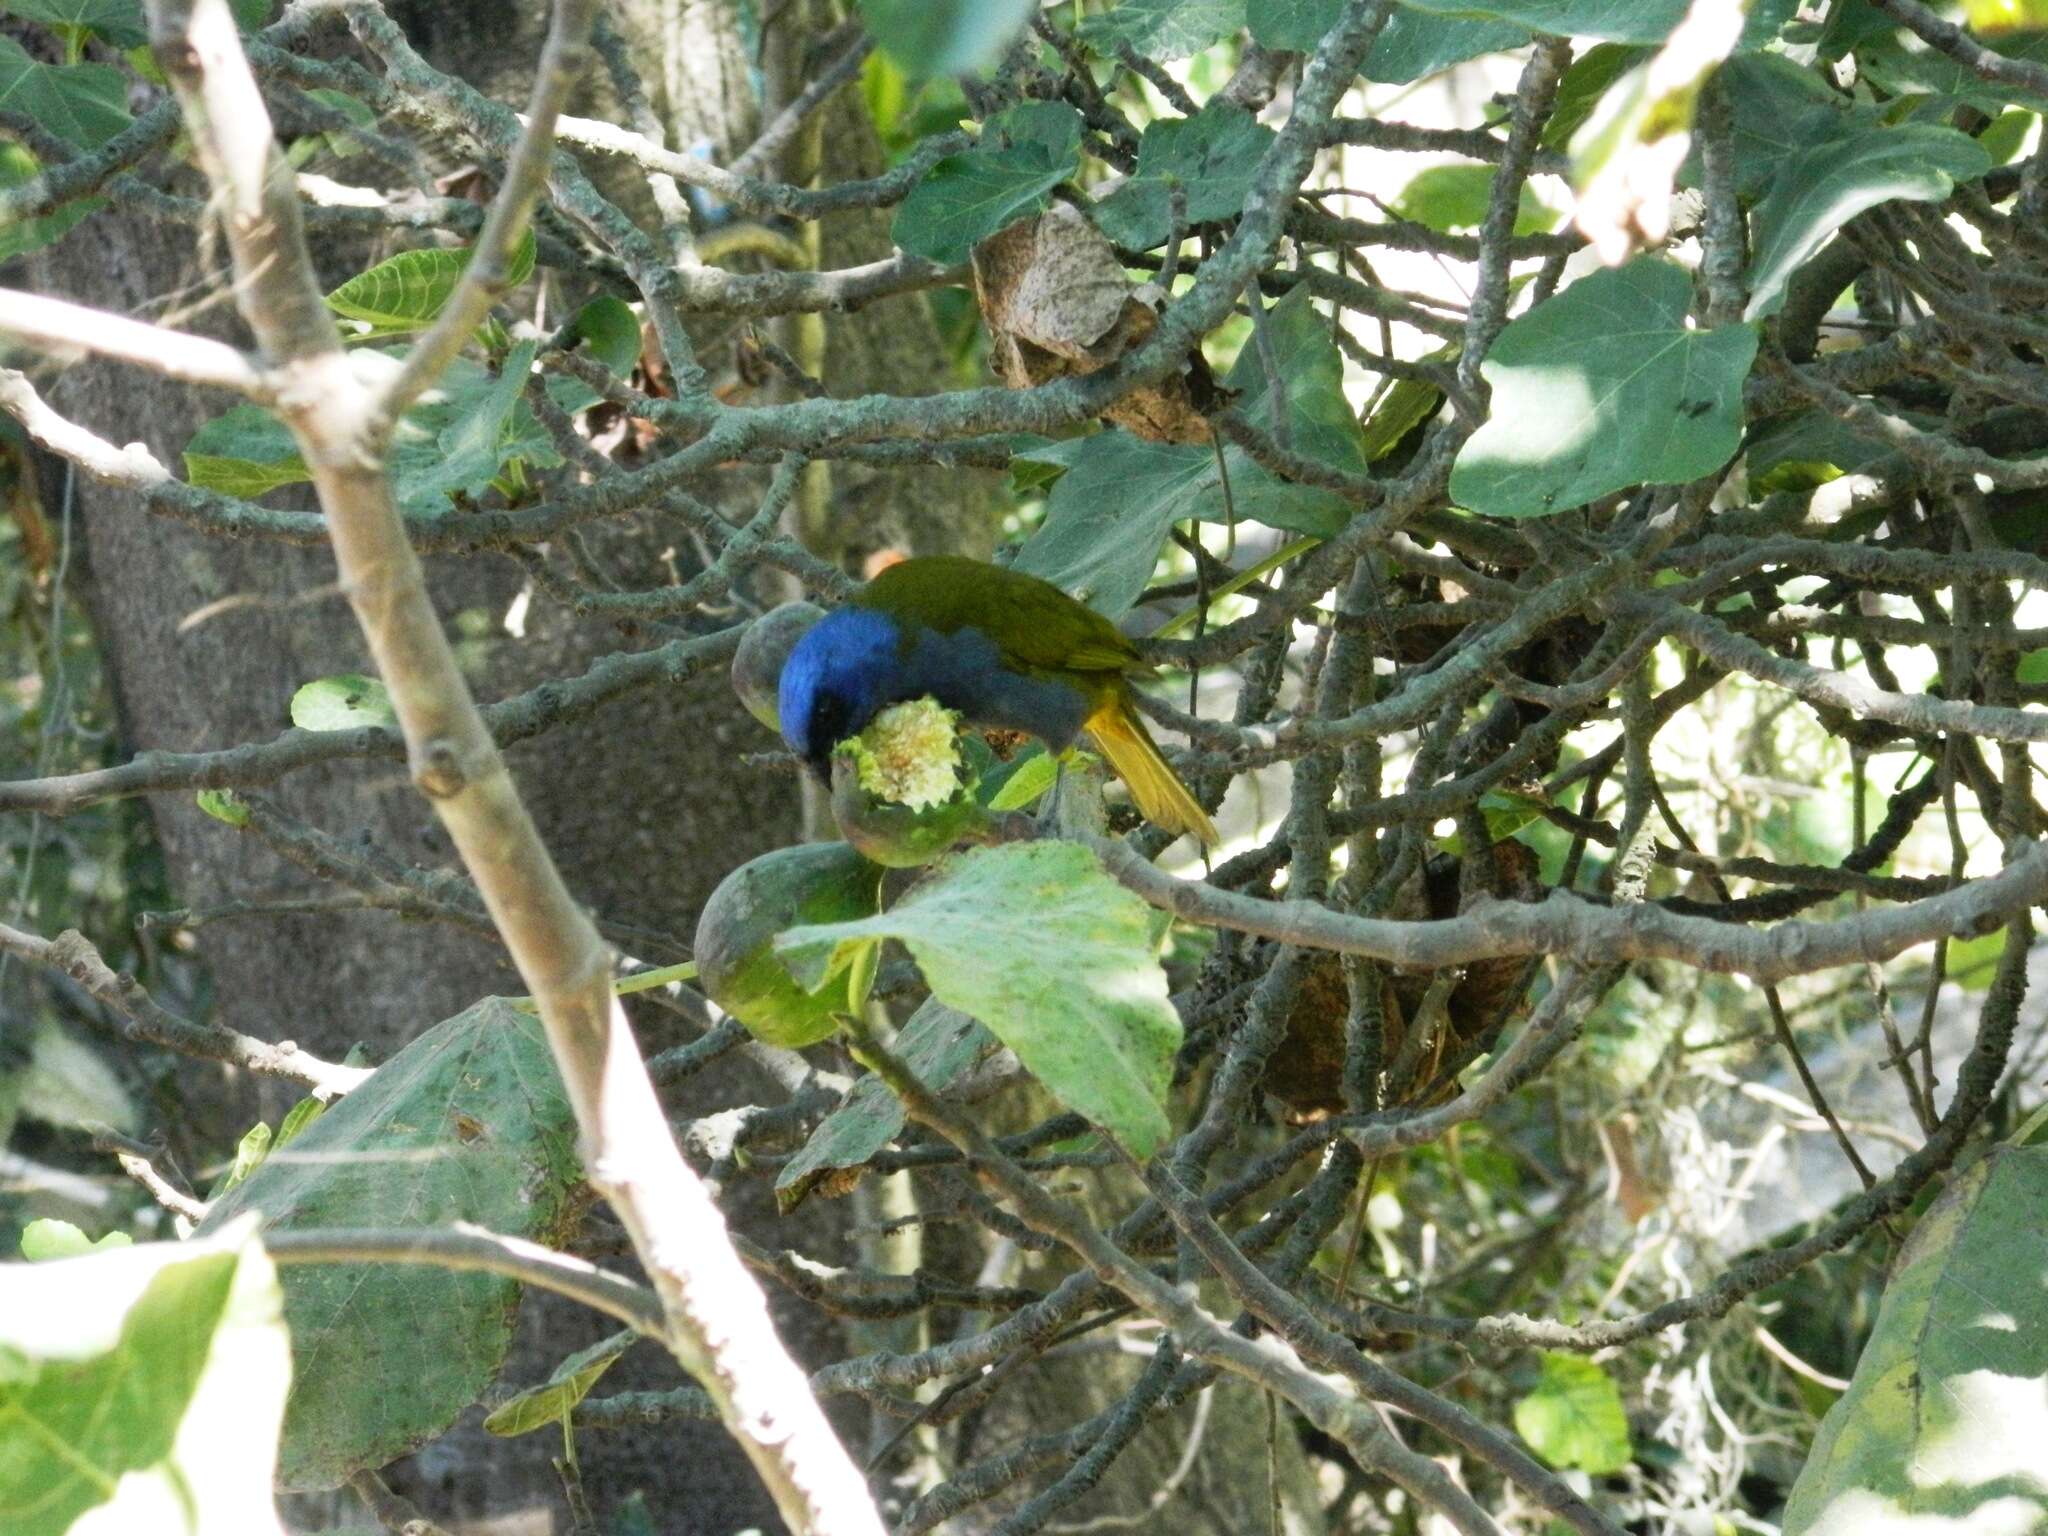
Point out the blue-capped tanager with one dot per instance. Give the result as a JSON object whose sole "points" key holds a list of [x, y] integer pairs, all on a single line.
{"points": [[1006, 650]]}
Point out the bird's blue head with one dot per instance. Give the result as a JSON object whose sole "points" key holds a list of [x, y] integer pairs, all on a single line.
{"points": [[843, 671]]}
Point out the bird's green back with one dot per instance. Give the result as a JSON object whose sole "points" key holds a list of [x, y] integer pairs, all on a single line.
{"points": [[1036, 625]]}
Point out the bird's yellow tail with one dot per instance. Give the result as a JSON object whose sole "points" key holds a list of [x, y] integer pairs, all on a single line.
{"points": [[1162, 798]]}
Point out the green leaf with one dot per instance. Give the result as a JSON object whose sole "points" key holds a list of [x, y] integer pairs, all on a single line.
{"points": [[245, 453], [223, 805], [1993, 16], [463, 435], [140, 1390], [17, 169], [1619, 21], [1407, 406], [1056, 958], [1574, 1416], [1906, 70], [82, 104], [1414, 45], [1164, 29], [1213, 155], [1584, 84], [467, 1123], [1452, 197], [296, 1119], [2032, 668], [1411, 46], [1601, 388], [965, 198], [945, 37], [1107, 517], [552, 1401], [120, 22], [1821, 189], [1025, 780], [348, 701], [1811, 447], [1320, 423], [47, 1238], [938, 1044], [1942, 1425], [1781, 109], [610, 330], [249, 1154], [409, 291]]}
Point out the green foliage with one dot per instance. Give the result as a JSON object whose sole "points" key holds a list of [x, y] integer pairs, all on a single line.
{"points": [[736, 960], [140, 1389], [119, 22], [1163, 29], [468, 1123], [1825, 186], [1057, 959], [1108, 515], [1412, 44], [553, 1400], [1573, 1416], [1211, 156], [50, 1239], [1454, 197], [938, 1044], [17, 169], [244, 452], [467, 434], [347, 702], [1601, 388], [945, 37], [407, 292], [82, 104], [967, 197], [223, 805], [1943, 1424], [1619, 21]]}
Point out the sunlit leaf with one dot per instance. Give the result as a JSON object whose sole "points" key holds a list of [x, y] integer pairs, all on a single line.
{"points": [[408, 291], [1942, 1425], [1603, 387], [571, 1381], [1574, 1416], [244, 452], [348, 701], [140, 1389], [47, 1238]]}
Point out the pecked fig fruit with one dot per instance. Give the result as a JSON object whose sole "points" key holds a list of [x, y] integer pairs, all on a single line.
{"points": [[736, 961], [902, 836], [757, 664]]}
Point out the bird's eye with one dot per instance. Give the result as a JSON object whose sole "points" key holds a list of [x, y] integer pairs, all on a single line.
{"points": [[828, 723]]}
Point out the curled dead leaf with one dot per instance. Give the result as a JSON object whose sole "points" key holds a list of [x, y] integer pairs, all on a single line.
{"points": [[1058, 303]]}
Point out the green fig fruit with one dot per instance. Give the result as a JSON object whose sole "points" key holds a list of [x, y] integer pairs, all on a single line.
{"points": [[757, 664], [736, 961]]}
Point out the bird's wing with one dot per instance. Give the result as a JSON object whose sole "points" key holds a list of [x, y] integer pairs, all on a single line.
{"points": [[1034, 623]]}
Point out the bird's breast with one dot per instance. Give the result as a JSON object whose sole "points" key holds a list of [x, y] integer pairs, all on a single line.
{"points": [[966, 671]]}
